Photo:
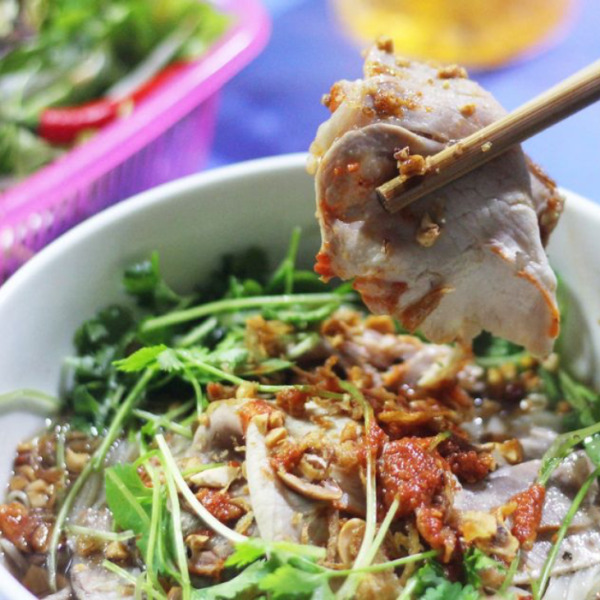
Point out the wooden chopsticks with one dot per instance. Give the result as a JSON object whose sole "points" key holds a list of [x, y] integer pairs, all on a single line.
{"points": [[559, 102]]}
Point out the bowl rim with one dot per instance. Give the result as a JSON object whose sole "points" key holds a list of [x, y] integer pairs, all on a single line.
{"points": [[140, 202], [162, 192]]}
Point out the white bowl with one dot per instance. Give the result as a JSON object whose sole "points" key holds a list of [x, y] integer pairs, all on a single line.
{"points": [[192, 222]]}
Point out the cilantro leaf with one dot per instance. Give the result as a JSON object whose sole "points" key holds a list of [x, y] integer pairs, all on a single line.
{"points": [[290, 582], [240, 274], [244, 585], [475, 561], [254, 548], [160, 356], [128, 498], [105, 329], [247, 552], [141, 359], [492, 351], [430, 583], [144, 281], [301, 318]]}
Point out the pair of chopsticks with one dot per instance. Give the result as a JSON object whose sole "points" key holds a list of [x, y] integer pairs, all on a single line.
{"points": [[558, 103]]}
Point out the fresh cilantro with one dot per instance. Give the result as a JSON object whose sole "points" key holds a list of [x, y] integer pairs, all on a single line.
{"points": [[142, 510], [201, 365], [144, 281], [140, 360], [106, 329], [584, 401], [283, 278], [252, 549], [299, 317], [550, 385], [291, 570], [129, 500], [476, 561], [492, 351], [431, 583], [291, 582], [244, 585], [239, 275], [96, 388]]}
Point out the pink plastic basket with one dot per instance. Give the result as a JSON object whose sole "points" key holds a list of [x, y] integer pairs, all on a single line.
{"points": [[166, 137]]}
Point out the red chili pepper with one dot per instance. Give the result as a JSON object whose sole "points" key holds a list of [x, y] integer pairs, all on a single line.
{"points": [[63, 125], [148, 88]]}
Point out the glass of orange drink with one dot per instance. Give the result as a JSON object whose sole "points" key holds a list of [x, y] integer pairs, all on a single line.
{"points": [[482, 34]]}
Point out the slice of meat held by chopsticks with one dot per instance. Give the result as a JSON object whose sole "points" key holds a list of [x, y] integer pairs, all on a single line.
{"points": [[466, 258]]}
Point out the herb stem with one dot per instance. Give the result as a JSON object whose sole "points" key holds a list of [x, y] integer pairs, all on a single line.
{"points": [[152, 593], [180, 551], [117, 423], [392, 564], [232, 304], [198, 333], [551, 558], [34, 400], [162, 421], [510, 574], [561, 448], [362, 558], [61, 517], [497, 361], [383, 529], [97, 460], [199, 509], [155, 518], [109, 536]]}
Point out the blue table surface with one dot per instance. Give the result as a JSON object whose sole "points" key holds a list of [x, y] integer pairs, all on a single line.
{"points": [[273, 106]]}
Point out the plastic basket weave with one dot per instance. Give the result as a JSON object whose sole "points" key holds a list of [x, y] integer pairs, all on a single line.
{"points": [[167, 137]]}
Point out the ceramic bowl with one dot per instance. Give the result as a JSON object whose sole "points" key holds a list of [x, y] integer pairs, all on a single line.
{"points": [[191, 223]]}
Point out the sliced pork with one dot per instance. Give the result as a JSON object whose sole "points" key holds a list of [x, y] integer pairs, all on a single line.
{"points": [[465, 258]]}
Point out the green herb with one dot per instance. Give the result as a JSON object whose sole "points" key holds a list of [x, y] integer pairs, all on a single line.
{"points": [[584, 400], [108, 536], [202, 512], [61, 53], [243, 585], [129, 500], [364, 557], [476, 561], [430, 583], [139, 584], [38, 402], [198, 333], [510, 574], [144, 281], [154, 422], [121, 415], [286, 570], [97, 387], [251, 549], [284, 275], [560, 535], [237, 304], [491, 351], [561, 448]]}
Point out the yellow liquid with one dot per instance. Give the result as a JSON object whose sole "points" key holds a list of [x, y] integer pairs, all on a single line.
{"points": [[477, 33]]}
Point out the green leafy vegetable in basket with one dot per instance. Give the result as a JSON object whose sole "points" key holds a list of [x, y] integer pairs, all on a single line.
{"points": [[71, 67]]}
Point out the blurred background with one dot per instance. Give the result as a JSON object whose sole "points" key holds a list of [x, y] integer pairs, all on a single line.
{"points": [[514, 48]]}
